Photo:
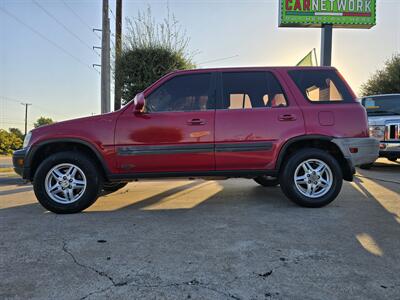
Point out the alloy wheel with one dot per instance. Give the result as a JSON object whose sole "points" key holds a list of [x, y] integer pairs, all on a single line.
{"points": [[313, 178], [65, 183]]}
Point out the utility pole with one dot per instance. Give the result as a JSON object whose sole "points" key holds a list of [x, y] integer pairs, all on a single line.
{"points": [[26, 116], [118, 50], [105, 60]]}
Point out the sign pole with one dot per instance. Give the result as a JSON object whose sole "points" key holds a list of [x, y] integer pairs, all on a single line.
{"points": [[326, 45]]}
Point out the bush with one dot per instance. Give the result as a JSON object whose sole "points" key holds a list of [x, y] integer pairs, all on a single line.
{"points": [[9, 142], [17, 132], [43, 121]]}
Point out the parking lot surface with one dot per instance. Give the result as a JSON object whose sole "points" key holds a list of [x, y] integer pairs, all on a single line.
{"points": [[182, 239]]}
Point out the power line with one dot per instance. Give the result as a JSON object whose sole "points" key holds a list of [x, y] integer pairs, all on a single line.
{"points": [[41, 109], [113, 15], [35, 106], [80, 18], [10, 99], [64, 26], [15, 123], [45, 38], [218, 59]]}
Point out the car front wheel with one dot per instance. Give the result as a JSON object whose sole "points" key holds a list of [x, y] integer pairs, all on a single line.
{"points": [[67, 182], [311, 178]]}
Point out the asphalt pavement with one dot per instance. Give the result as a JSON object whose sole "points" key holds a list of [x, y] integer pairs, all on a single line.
{"points": [[5, 161], [195, 239]]}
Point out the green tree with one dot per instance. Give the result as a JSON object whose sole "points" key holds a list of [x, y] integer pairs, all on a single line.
{"points": [[18, 133], [386, 80], [43, 121], [150, 51], [9, 142]]}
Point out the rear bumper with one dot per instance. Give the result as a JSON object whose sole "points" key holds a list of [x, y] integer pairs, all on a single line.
{"points": [[19, 157], [358, 151]]}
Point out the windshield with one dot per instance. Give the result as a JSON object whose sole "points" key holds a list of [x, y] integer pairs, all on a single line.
{"points": [[382, 106]]}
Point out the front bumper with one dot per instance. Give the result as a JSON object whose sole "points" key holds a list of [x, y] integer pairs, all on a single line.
{"points": [[19, 157], [389, 149], [358, 151]]}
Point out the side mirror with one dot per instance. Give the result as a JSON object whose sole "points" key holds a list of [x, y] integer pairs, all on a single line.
{"points": [[138, 103]]}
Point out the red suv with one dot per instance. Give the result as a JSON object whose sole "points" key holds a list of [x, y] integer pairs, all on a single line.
{"points": [[300, 127]]}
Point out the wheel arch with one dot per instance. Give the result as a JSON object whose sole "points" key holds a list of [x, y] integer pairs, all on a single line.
{"points": [[315, 141], [43, 149]]}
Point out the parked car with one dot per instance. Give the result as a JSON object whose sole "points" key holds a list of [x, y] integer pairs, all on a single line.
{"points": [[384, 124], [300, 127]]}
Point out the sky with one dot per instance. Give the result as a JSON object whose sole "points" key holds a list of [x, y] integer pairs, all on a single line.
{"points": [[46, 56]]}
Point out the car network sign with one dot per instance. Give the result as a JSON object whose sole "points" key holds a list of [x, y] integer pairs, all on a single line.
{"points": [[339, 13]]}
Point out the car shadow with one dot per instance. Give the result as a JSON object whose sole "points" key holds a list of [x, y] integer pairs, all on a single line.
{"points": [[12, 180], [383, 166], [244, 200], [16, 191]]}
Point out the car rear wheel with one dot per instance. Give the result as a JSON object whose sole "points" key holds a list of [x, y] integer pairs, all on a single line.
{"points": [[267, 181], [311, 178], [67, 182]]}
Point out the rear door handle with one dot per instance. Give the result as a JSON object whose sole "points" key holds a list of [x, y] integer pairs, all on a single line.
{"points": [[196, 122], [287, 117]]}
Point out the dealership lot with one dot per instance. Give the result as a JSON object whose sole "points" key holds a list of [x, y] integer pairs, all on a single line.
{"points": [[199, 239]]}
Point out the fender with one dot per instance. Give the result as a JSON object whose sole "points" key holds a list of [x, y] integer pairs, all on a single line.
{"points": [[36, 147], [296, 139]]}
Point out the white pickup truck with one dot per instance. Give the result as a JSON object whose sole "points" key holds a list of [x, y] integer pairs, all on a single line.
{"points": [[384, 123]]}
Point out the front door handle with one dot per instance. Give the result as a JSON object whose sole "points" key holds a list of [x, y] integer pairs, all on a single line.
{"points": [[196, 122], [287, 117]]}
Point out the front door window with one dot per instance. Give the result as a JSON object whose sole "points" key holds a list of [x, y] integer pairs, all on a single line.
{"points": [[182, 93]]}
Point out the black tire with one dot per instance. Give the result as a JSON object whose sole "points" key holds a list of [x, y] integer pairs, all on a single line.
{"points": [[267, 181], [366, 166], [111, 187], [91, 171], [288, 185]]}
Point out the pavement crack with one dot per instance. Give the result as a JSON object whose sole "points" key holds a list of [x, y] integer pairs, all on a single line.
{"points": [[100, 273], [226, 294], [97, 292], [125, 282], [192, 283]]}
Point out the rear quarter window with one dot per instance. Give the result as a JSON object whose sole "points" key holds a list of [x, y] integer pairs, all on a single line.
{"points": [[321, 86]]}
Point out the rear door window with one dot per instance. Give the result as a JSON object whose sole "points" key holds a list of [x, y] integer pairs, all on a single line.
{"points": [[246, 90], [321, 86]]}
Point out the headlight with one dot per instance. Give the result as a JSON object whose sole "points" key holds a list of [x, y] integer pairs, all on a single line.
{"points": [[27, 139], [377, 132]]}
